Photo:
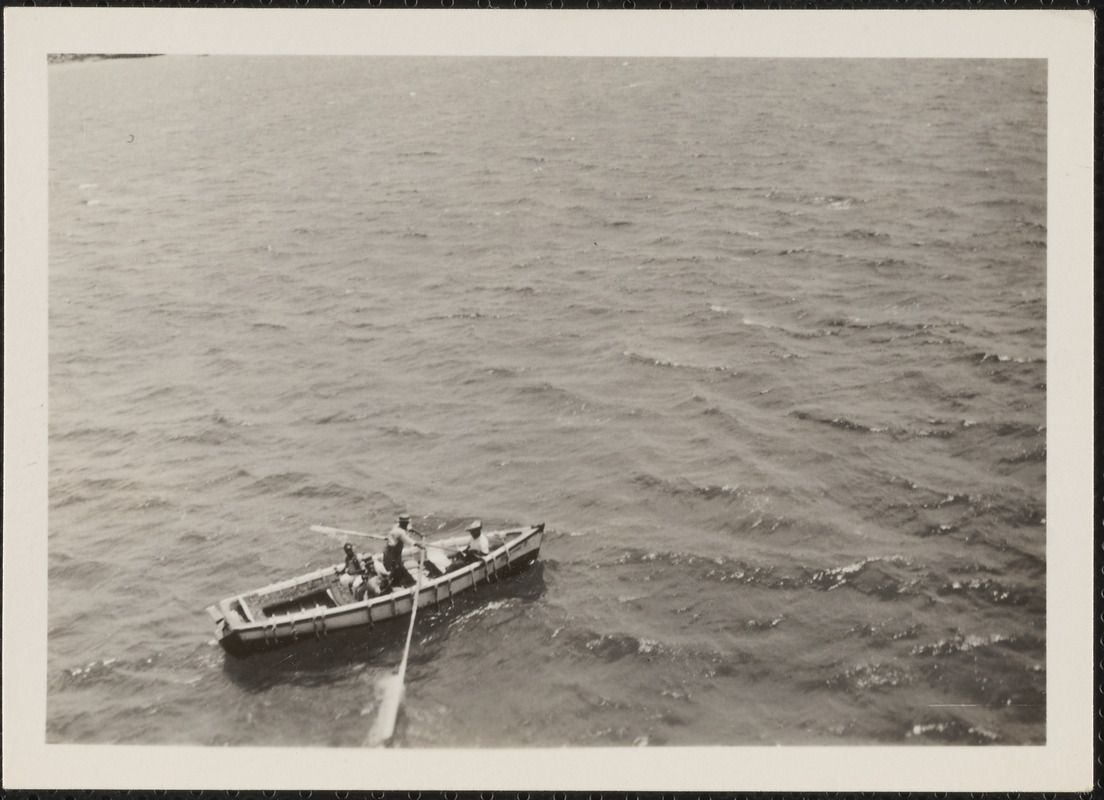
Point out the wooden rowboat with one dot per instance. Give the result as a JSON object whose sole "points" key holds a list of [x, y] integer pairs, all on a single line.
{"points": [[318, 604]]}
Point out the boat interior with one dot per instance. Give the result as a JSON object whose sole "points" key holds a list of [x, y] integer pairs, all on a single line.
{"points": [[318, 591]]}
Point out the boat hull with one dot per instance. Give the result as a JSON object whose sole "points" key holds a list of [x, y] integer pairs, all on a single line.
{"points": [[312, 607]]}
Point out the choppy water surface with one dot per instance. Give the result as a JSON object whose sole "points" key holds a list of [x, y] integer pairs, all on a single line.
{"points": [[761, 341]]}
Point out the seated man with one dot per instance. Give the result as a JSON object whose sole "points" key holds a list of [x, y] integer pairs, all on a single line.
{"points": [[353, 571], [375, 582], [353, 564], [476, 549], [380, 581]]}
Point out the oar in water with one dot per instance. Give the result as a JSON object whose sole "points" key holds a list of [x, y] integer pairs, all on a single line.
{"points": [[384, 727]]}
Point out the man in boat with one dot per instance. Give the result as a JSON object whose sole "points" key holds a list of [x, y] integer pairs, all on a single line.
{"points": [[359, 575], [393, 552], [475, 549], [353, 564], [378, 582], [373, 585]]}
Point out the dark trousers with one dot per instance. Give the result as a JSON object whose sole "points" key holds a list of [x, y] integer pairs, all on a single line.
{"points": [[401, 577]]}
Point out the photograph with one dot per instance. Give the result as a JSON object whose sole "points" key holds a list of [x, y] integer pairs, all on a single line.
{"points": [[607, 403]]}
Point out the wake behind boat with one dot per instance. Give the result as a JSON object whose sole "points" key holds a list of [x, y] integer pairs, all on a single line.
{"points": [[319, 603]]}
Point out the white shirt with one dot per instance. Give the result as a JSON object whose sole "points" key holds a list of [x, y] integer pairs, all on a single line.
{"points": [[399, 532], [479, 544]]}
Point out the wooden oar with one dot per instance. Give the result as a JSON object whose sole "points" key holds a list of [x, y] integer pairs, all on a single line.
{"points": [[343, 532], [381, 537], [384, 727]]}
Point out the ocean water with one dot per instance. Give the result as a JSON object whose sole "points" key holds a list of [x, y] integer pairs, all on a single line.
{"points": [[762, 342]]}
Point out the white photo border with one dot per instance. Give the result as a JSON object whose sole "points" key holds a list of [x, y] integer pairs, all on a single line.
{"points": [[1063, 38]]}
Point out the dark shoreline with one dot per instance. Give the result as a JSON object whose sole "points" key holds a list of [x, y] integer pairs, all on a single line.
{"points": [[62, 58]]}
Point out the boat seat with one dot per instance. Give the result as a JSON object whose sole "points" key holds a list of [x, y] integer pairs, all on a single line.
{"points": [[245, 611]]}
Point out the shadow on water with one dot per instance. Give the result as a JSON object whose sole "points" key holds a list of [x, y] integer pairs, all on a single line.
{"points": [[321, 662]]}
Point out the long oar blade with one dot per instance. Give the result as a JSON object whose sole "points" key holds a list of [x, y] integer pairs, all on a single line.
{"points": [[391, 691], [384, 727], [343, 532]]}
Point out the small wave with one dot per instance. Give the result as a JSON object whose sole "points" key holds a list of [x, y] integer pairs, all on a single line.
{"points": [[835, 201], [764, 624], [105, 671], [338, 417], [607, 647], [330, 489], [208, 436], [951, 730], [980, 357], [1036, 455], [93, 433], [887, 577], [153, 502], [966, 643], [943, 430], [276, 483], [59, 500], [860, 233], [881, 635], [873, 676], [405, 433], [836, 422], [942, 212], [651, 361], [105, 485], [867, 576], [686, 489], [539, 388], [1032, 599], [890, 266]]}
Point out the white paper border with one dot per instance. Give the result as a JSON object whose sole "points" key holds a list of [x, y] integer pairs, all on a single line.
{"points": [[1064, 38]]}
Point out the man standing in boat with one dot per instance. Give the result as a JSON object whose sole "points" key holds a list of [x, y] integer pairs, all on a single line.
{"points": [[393, 552]]}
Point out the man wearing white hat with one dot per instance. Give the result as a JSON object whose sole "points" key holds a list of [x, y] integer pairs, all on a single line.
{"points": [[474, 549], [479, 545]]}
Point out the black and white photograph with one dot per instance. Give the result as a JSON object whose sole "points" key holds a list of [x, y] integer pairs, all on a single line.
{"points": [[619, 403]]}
